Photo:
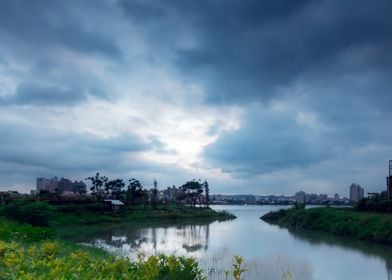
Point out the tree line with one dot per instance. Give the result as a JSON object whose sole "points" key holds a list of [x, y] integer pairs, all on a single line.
{"points": [[193, 193]]}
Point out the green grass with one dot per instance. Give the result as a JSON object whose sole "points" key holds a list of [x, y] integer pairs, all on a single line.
{"points": [[170, 213], [339, 221], [24, 233], [43, 214], [47, 260]]}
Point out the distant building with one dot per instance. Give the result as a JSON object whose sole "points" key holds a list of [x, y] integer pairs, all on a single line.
{"points": [[389, 181], [323, 196], [356, 192], [48, 185], [336, 196], [63, 185], [300, 197]]}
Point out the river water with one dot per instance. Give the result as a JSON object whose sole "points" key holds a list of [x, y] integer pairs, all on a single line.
{"points": [[270, 252]]}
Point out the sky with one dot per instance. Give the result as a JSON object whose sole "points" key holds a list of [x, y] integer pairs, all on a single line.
{"points": [[256, 96]]}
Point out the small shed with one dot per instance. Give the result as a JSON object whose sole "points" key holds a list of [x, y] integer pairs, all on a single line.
{"points": [[115, 204]]}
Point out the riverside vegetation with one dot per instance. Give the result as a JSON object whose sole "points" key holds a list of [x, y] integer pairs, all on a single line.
{"points": [[349, 222], [30, 248]]}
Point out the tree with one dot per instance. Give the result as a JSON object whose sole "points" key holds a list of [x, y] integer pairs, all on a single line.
{"points": [[98, 188], [192, 191], [135, 191], [207, 193], [115, 187], [155, 193]]}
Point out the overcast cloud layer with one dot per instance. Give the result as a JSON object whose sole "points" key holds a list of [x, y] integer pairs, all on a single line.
{"points": [[262, 97]]}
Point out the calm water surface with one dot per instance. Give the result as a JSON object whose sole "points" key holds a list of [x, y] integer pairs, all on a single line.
{"points": [[270, 252]]}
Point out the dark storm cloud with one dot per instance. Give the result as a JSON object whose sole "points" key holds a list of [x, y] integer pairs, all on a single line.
{"points": [[55, 150], [249, 51], [41, 95], [42, 23], [328, 58], [47, 43]]}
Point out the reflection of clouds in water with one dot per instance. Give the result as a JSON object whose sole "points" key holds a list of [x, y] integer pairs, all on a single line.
{"points": [[306, 256], [190, 240]]}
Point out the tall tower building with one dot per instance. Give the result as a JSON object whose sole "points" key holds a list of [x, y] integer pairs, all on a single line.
{"points": [[356, 192]]}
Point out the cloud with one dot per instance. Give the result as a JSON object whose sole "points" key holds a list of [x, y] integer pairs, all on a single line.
{"points": [[47, 24], [56, 150], [36, 95], [245, 53], [269, 140], [235, 92]]}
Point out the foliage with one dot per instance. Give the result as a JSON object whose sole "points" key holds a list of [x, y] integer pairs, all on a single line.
{"points": [[10, 230], [191, 192], [98, 186], [207, 193], [135, 192], [167, 212], [31, 212], [237, 267], [339, 221], [115, 188], [377, 204], [45, 261]]}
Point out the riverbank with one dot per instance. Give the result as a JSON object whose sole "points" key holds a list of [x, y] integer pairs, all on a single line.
{"points": [[28, 252], [38, 252], [44, 214], [141, 214], [374, 227]]}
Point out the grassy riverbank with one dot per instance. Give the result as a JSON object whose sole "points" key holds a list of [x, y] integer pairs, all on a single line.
{"points": [[43, 214], [30, 247], [338, 221], [140, 214]]}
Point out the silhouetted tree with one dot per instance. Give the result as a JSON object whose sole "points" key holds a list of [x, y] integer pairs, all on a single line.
{"points": [[191, 192], [134, 191], [155, 193], [115, 187], [207, 193], [98, 188]]}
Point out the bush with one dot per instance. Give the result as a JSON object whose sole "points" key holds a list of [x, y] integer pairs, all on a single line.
{"points": [[31, 212], [10, 230], [339, 221], [45, 261]]}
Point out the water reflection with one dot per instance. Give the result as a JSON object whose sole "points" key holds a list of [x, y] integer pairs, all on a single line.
{"points": [[269, 251], [369, 249], [133, 239]]}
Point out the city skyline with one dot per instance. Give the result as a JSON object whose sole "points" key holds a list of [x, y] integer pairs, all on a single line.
{"points": [[263, 98]]}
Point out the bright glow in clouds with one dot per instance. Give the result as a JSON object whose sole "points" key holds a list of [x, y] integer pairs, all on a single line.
{"points": [[246, 96]]}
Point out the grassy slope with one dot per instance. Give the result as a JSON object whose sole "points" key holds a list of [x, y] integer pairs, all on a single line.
{"points": [[28, 252], [339, 221]]}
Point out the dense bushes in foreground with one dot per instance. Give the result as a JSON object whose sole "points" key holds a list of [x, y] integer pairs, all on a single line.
{"points": [[43, 261], [339, 221]]}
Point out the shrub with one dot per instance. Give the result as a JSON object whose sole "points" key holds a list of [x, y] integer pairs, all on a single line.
{"points": [[44, 261], [31, 212]]}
